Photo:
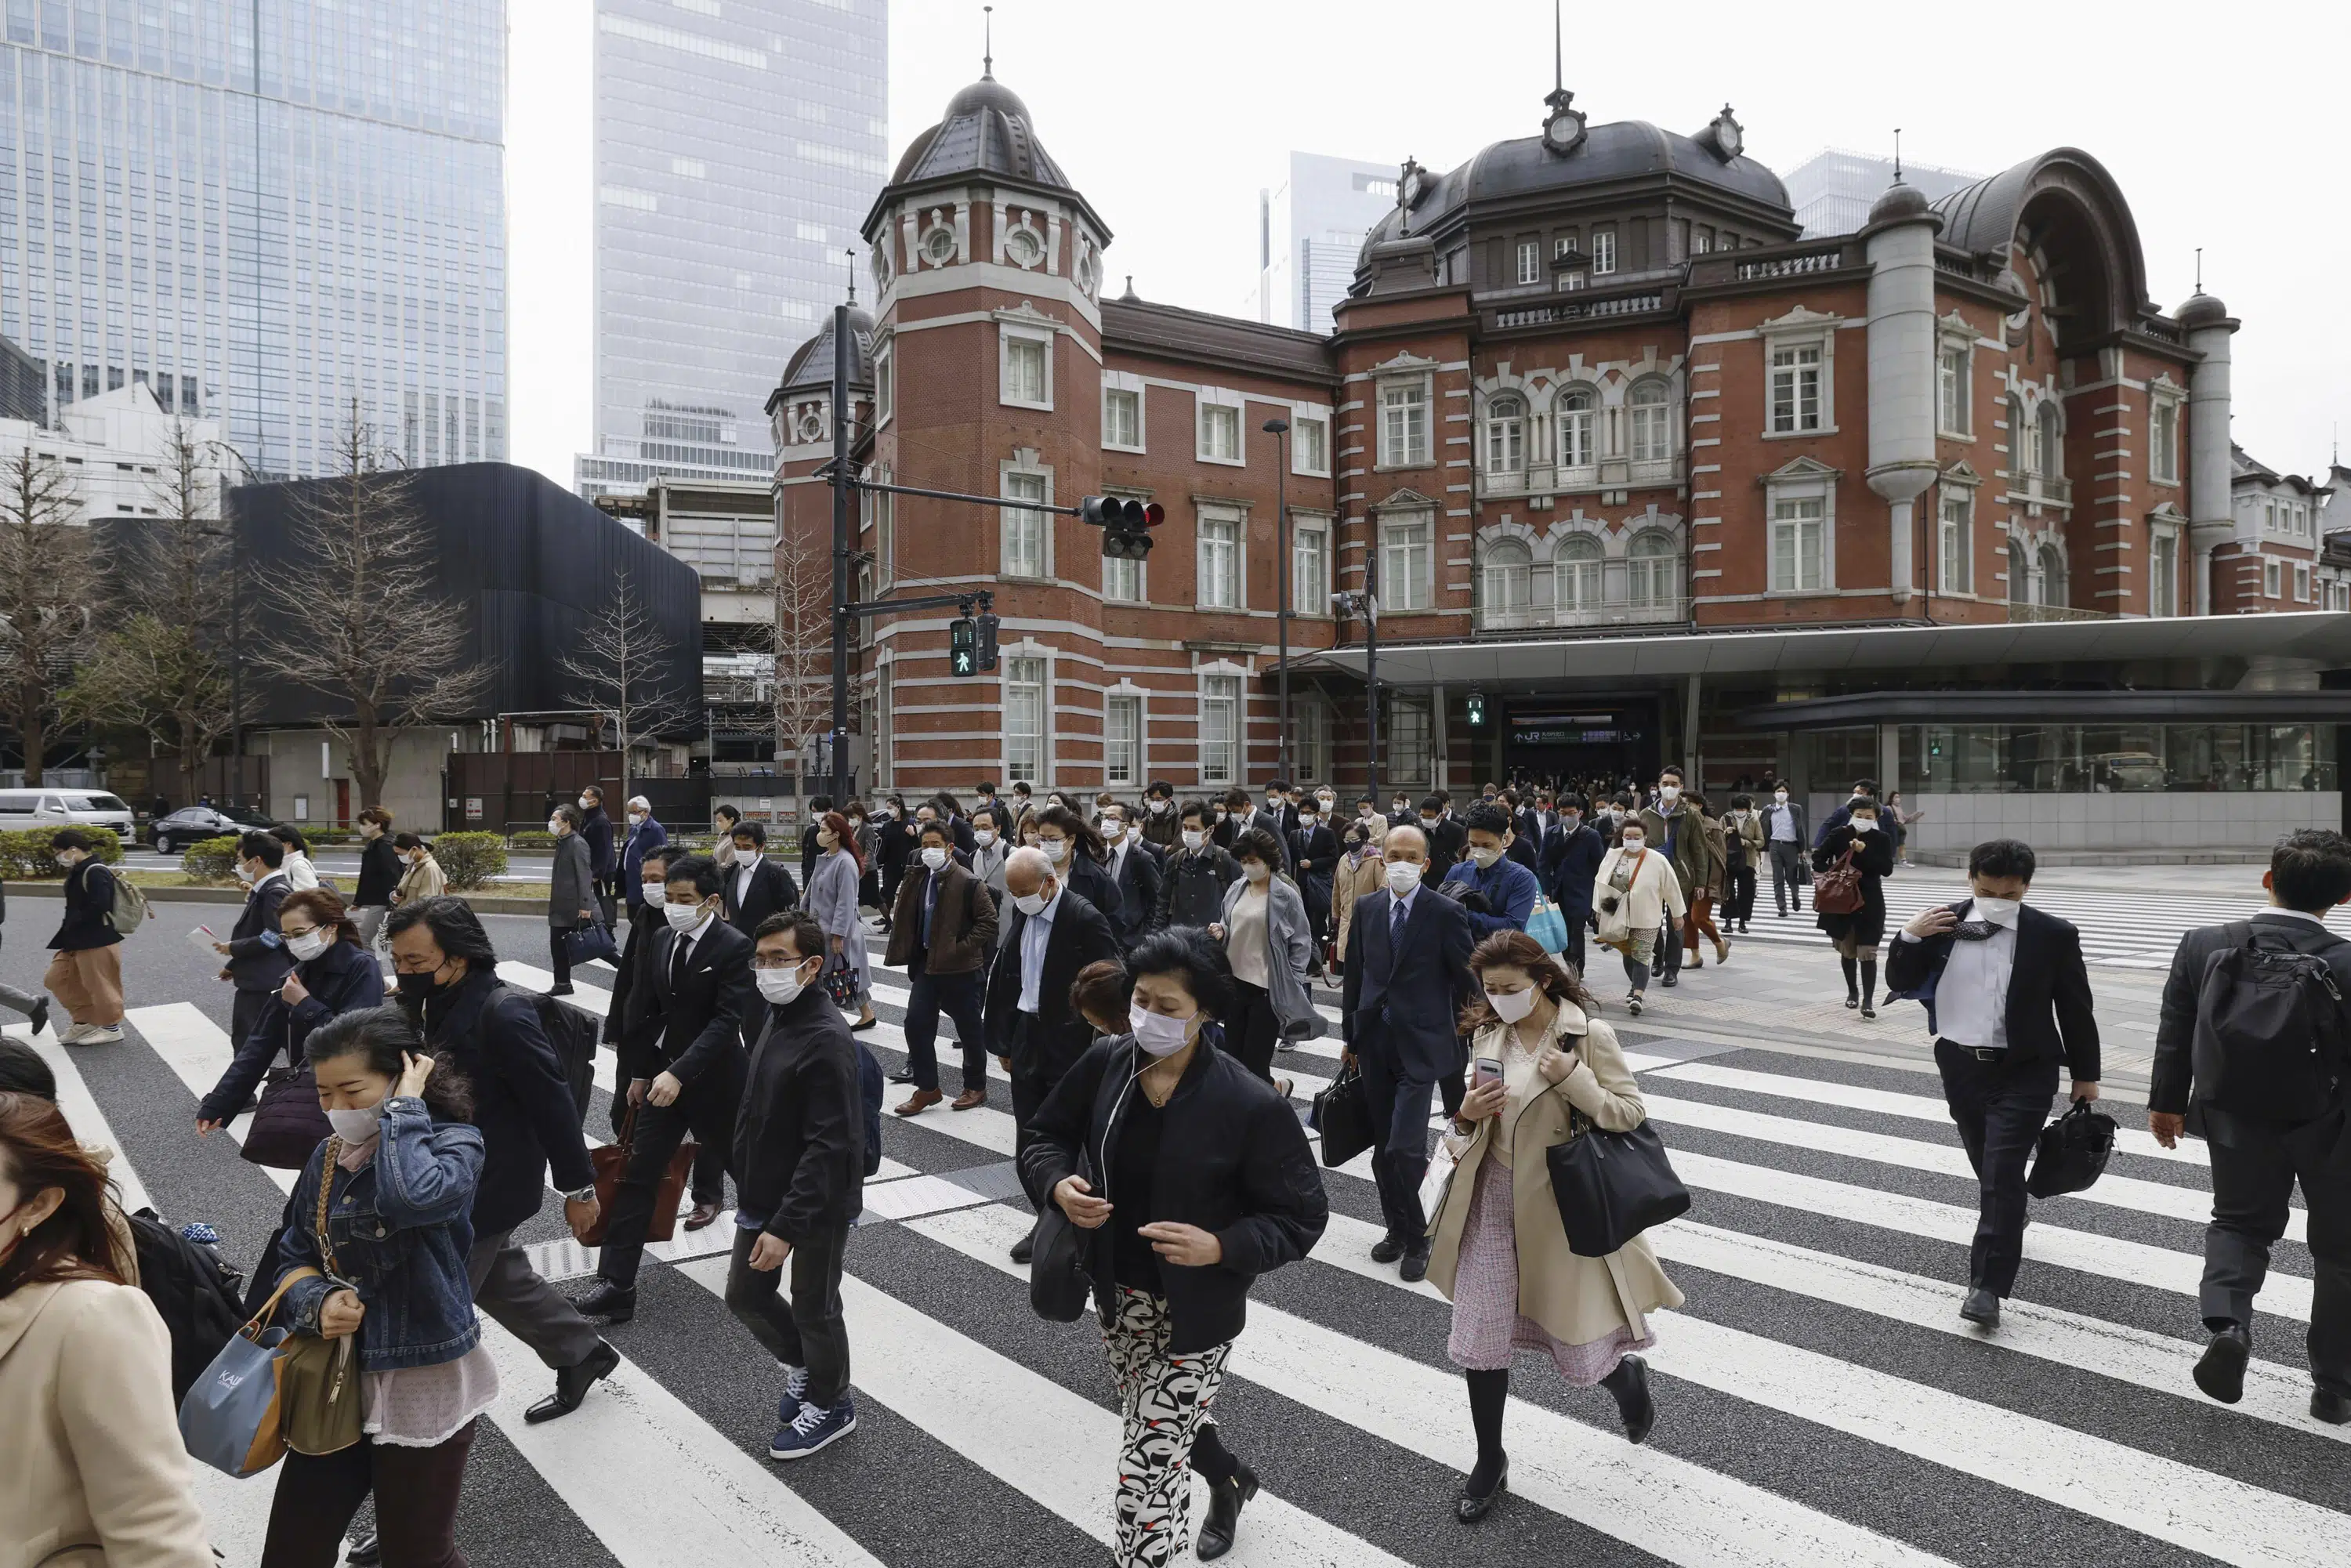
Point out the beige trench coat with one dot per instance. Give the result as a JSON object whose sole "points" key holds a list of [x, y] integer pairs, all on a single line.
{"points": [[1576, 1299]]}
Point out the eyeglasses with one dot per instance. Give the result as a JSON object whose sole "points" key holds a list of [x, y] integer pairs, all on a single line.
{"points": [[759, 962], [296, 936]]}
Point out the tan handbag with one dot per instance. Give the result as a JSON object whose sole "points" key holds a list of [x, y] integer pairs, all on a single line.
{"points": [[318, 1379]]}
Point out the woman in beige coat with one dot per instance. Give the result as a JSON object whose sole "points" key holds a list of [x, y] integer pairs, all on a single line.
{"points": [[95, 1473], [1361, 869], [1499, 1251], [1634, 890]]}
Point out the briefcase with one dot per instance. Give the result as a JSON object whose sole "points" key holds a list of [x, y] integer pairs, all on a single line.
{"points": [[2072, 1152], [586, 944], [611, 1163], [1342, 1114], [1610, 1187]]}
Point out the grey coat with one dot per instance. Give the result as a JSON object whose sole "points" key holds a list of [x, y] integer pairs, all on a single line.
{"points": [[1289, 936], [831, 901], [572, 884]]}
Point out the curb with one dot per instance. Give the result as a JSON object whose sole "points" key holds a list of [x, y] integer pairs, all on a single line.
{"points": [[481, 904]]}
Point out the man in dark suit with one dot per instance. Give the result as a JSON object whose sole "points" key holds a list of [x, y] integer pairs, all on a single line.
{"points": [[683, 1063], [756, 886], [817, 807], [1134, 870], [257, 961], [1785, 836], [1444, 837], [1407, 975], [631, 994], [942, 934], [1571, 853], [1240, 816], [2012, 1001], [2267, 1130], [603, 862], [1034, 1032]]}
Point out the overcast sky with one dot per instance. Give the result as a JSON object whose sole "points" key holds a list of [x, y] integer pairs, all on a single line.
{"points": [[1170, 118]]}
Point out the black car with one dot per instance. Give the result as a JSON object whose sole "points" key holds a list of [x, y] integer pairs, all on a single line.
{"points": [[190, 824]]}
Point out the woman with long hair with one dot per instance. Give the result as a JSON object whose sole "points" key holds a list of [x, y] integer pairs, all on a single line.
{"points": [[832, 899], [95, 1471], [333, 974], [1498, 1252]]}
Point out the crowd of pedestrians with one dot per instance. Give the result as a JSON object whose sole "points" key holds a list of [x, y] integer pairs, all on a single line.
{"points": [[1135, 968]]}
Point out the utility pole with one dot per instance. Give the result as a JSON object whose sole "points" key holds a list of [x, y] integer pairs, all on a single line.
{"points": [[842, 487], [1279, 429]]}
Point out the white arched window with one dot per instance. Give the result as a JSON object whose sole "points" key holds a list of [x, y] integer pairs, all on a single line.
{"points": [[2048, 442], [2053, 577], [1654, 571], [1505, 434], [1653, 435], [1507, 587], [1577, 448], [2020, 438], [1575, 573], [2020, 573]]}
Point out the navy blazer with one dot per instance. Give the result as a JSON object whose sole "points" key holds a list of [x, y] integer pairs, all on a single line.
{"points": [[643, 839], [1401, 1006], [1570, 860], [1138, 891], [772, 892]]}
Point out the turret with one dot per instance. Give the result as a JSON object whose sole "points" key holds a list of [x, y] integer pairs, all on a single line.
{"points": [[1899, 241], [2209, 326]]}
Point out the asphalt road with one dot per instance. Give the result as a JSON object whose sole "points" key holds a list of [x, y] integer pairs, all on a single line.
{"points": [[1819, 1400]]}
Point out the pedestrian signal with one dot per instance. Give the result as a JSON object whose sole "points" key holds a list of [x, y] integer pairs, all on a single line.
{"points": [[963, 651]]}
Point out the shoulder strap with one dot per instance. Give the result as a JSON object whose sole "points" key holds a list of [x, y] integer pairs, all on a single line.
{"points": [[326, 1186], [292, 1277]]}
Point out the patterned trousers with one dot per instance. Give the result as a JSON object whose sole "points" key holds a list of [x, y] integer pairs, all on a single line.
{"points": [[1164, 1399]]}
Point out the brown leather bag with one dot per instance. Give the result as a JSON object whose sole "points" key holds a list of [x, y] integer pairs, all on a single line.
{"points": [[611, 1163], [1837, 891]]}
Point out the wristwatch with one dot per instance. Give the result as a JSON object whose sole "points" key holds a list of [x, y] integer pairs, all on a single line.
{"points": [[582, 1195]]}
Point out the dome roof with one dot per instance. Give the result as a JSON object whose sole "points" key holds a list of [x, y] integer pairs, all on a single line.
{"points": [[1900, 201], [811, 367], [985, 130], [1624, 151], [2202, 309]]}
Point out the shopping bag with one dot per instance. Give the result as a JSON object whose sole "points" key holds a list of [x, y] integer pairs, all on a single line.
{"points": [[1547, 925], [233, 1419]]}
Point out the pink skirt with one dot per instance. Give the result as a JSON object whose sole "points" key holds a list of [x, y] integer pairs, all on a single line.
{"points": [[1486, 1325]]}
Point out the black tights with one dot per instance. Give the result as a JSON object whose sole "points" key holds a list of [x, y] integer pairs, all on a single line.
{"points": [[1868, 989], [1489, 1392], [1211, 1458]]}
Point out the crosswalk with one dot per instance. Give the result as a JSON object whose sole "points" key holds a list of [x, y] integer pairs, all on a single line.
{"points": [[1820, 1399]]}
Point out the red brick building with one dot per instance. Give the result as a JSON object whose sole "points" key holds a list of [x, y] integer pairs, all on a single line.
{"points": [[1613, 445]]}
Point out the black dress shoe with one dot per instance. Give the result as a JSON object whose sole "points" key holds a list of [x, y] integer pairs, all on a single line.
{"points": [[564, 990], [1024, 1248], [1471, 1506], [1415, 1263], [1387, 1250], [2221, 1371], [39, 1016], [1224, 1500], [572, 1382], [613, 1304], [1981, 1307], [2329, 1407], [1670, 981], [902, 1077], [1630, 1384], [367, 1550]]}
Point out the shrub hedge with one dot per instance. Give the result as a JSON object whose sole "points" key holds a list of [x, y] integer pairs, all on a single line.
{"points": [[210, 860], [470, 860], [25, 853]]}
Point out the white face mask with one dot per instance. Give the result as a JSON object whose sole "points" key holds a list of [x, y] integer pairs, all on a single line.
{"points": [[1403, 877], [244, 872], [652, 891], [779, 986], [1864, 824], [825, 839], [1056, 849], [1256, 870], [1194, 838], [356, 1126], [1669, 794], [935, 857], [555, 826], [1512, 1006], [983, 837], [2000, 909], [1029, 903], [636, 819], [1307, 818], [308, 945], [1156, 1033], [1634, 841], [586, 804], [1485, 858], [1113, 828], [683, 917], [1326, 801]]}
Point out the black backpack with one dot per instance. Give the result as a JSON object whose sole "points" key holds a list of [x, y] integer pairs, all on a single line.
{"points": [[199, 1297], [871, 1090], [2270, 1028], [572, 1031]]}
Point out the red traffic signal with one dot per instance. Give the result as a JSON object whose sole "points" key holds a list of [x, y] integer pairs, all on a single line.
{"points": [[1125, 524]]}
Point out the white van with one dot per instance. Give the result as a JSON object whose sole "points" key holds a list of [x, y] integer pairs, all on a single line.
{"points": [[25, 809]]}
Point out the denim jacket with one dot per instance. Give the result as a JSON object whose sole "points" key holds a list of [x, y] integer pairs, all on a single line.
{"points": [[401, 1227]]}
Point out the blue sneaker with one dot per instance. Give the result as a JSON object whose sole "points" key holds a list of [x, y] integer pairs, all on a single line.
{"points": [[813, 1428], [787, 1408]]}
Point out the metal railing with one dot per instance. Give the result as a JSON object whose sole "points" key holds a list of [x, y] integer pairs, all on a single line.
{"points": [[1579, 310], [1827, 260], [1655, 470], [1546, 617], [2034, 614]]}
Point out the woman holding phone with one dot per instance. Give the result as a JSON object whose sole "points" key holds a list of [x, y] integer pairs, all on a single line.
{"points": [[1545, 1067]]}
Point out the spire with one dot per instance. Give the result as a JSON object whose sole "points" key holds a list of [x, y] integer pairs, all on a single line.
{"points": [[1897, 154], [1558, 53], [851, 256], [988, 43], [2199, 269]]}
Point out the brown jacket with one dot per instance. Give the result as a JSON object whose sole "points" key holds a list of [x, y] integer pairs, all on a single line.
{"points": [[1350, 882], [963, 923], [1576, 1299], [94, 1456]]}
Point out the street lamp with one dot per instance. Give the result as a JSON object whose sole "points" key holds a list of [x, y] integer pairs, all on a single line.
{"points": [[1278, 429], [1366, 603], [236, 624]]}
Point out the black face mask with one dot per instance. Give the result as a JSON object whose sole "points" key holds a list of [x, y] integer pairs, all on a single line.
{"points": [[416, 987]]}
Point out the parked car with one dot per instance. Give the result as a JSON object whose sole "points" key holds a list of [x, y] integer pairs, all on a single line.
{"points": [[190, 824], [22, 809]]}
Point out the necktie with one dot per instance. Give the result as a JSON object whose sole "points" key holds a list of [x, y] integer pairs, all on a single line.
{"points": [[1973, 930], [1401, 912], [677, 965]]}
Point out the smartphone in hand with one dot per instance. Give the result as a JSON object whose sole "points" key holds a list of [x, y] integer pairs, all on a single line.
{"points": [[1485, 1069]]}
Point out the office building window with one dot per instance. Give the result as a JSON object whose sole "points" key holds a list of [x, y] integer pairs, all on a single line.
{"points": [[1122, 419], [1651, 406], [1406, 566], [1122, 739], [1309, 445], [1025, 532], [2301, 582], [1027, 369], [1122, 581], [1505, 434], [1220, 567], [2163, 441], [1220, 703], [1220, 433], [1799, 544], [1957, 533], [2162, 574], [1575, 429], [885, 387], [1954, 412], [1410, 753], [1797, 406], [1403, 425], [1530, 262], [1310, 569], [1653, 573], [1025, 696], [1575, 573], [1309, 747], [1603, 251]]}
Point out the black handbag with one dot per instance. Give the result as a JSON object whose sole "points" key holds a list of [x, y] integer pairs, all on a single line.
{"points": [[1058, 1285], [586, 944], [1610, 1187], [2070, 1152], [1342, 1114], [287, 1124], [841, 983]]}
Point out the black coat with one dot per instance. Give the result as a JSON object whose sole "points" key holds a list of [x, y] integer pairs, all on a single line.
{"points": [[343, 980], [1091, 878], [2049, 1013], [896, 842], [800, 1133], [623, 1012], [1875, 859], [2174, 1081], [1522, 850], [597, 828], [1233, 1161], [89, 908], [1314, 852], [379, 871], [810, 851], [1193, 891], [522, 1098], [1401, 1006], [696, 1028], [258, 958], [1446, 843], [1138, 892], [1080, 934], [772, 892], [1570, 862]]}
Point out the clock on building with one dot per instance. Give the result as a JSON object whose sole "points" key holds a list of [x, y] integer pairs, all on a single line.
{"points": [[1727, 134], [1563, 124]]}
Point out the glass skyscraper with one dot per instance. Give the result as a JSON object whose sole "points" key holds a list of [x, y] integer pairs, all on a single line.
{"points": [[264, 210], [738, 146]]}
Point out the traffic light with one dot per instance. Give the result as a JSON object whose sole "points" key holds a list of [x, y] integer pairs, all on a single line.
{"points": [[1477, 710], [963, 653], [987, 638], [1126, 524]]}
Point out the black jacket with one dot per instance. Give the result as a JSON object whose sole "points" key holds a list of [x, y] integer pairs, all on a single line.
{"points": [[800, 1133], [1570, 862], [1522, 850], [1313, 852], [1875, 859], [772, 892], [626, 1007], [1400, 1006], [89, 905], [2049, 1011], [1446, 843], [1080, 934], [522, 1099], [896, 840], [343, 980], [1232, 828], [1138, 891], [597, 828], [1192, 892], [696, 1028], [258, 958], [379, 871], [1091, 878], [810, 851], [1233, 1161], [2172, 1082]]}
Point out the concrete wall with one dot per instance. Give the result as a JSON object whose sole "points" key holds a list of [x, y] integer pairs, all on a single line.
{"points": [[2148, 827], [411, 789]]}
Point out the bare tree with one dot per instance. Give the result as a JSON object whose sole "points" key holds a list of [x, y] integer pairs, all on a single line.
{"points": [[46, 582], [162, 666], [801, 639], [622, 666], [359, 615]]}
